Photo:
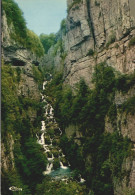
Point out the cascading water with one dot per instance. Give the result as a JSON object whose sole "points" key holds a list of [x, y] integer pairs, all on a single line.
{"points": [[46, 139]]}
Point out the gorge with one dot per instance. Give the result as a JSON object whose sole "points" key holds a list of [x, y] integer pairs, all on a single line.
{"points": [[68, 113]]}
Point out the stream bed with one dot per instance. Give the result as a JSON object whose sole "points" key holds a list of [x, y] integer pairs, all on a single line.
{"points": [[49, 137]]}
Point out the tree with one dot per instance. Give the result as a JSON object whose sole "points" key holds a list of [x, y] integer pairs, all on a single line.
{"points": [[47, 41]]}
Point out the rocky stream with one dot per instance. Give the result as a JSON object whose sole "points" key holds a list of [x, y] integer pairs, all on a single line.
{"points": [[49, 137]]}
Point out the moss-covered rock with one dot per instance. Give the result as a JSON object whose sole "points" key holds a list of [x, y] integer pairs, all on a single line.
{"points": [[55, 153], [56, 163]]}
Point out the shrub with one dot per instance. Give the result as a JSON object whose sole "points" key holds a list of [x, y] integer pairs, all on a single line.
{"points": [[56, 163], [72, 4], [33, 43], [58, 46], [125, 82], [112, 39], [87, 109], [90, 52], [47, 41], [63, 26], [116, 45], [29, 159], [38, 75], [129, 106], [20, 33], [15, 16], [131, 42], [97, 3]]}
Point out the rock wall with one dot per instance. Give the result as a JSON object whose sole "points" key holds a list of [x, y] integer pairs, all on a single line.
{"points": [[12, 51], [98, 31], [17, 56], [7, 161]]}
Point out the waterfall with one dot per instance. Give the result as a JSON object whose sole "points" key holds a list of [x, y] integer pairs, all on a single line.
{"points": [[48, 168], [48, 146], [62, 166], [49, 137]]}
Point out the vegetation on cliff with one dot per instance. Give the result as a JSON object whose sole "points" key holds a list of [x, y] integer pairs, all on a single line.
{"points": [[29, 159], [47, 41], [19, 32], [99, 156], [87, 109]]}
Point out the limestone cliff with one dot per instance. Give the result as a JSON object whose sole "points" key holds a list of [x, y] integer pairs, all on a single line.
{"points": [[101, 31], [98, 31], [24, 89]]}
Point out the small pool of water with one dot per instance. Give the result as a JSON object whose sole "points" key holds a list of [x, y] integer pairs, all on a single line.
{"points": [[61, 173]]}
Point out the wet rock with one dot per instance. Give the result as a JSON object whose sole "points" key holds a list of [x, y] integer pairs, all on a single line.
{"points": [[55, 152], [49, 154], [56, 163], [56, 142], [47, 140], [64, 161]]}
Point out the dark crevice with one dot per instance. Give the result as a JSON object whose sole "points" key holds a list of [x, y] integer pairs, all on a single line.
{"points": [[16, 62], [90, 22], [103, 23], [80, 43]]}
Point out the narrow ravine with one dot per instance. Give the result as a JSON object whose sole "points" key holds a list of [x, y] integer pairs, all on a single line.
{"points": [[49, 137]]}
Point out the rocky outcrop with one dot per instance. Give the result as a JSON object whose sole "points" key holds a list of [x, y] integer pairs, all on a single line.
{"points": [[13, 52], [19, 57], [121, 187], [73, 131], [7, 161], [98, 31]]}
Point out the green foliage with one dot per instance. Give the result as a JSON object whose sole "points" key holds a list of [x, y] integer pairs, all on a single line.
{"points": [[90, 52], [63, 26], [38, 75], [131, 42], [57, 46], [116, 45], [107, 153], [47, 41], [72, 4], [112, 39], [97, 3], [13, 179], [129, 106], [56, 163], [48, 187], [112, 113], [30, 160], [9, 102], [88, 108], [125, 82], [85, 105], [15, 16], [33, 43], [20, 33], [73, 152], [104, 78]]}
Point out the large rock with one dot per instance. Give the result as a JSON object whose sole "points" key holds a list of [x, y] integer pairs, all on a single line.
{"points": [[104, 27], [13, 52]]}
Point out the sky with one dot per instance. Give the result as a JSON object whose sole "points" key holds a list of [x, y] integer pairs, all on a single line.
{"points": [[43, 16]]}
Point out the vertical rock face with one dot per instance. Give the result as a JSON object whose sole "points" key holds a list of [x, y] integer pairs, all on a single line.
{"points": [[98, 31], [12, 51], [17, 56], [7, 161]]}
